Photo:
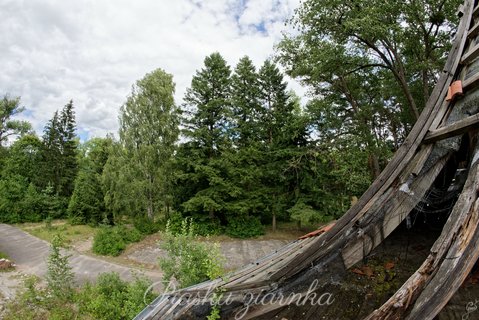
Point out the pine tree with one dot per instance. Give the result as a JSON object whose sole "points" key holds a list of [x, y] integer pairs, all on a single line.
{"points": [[68, 150], [282, 133], [208, 128], [59, 155], [207, 105], [9, 127], [245, 101]]}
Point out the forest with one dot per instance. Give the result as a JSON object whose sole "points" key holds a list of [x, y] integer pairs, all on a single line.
{"points": [[241, 151]]}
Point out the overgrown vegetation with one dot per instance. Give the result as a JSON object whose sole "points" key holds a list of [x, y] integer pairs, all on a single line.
{"points": [[109, 298], [188, 260], [240, 148], [111, 241]]}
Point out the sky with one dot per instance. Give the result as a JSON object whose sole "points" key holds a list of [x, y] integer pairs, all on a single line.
{"points": [[93, 51]]}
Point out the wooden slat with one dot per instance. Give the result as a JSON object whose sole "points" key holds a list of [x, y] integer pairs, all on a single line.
{"points": [[327, 247], [474, 31], [455, 129], [452, 257], [470, 82], [401, 159], [476, 11], [471, 55]]}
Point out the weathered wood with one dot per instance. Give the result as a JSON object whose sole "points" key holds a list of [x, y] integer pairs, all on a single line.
{"points": [[471, 55], [459, 236], [397, 210], [377, 213], [474, 31], [455, 129], [471, 82]]}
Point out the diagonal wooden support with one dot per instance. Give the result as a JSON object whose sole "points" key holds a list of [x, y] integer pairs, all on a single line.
{"points": [[455, 129]]}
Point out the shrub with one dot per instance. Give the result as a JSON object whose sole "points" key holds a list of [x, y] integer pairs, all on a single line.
{"points": [[113, 298], [59, 274], [244, 227], [188, 260], [174, 223], [146, 225], [129, 235], [205, 226], [111, 241], [108, 241]]}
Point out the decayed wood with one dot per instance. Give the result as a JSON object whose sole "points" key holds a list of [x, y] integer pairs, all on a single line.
{"points": [[384, 205], [396, 211], [471, 55], [474, 31], [457, 128], [454, 250], [405, 152]]}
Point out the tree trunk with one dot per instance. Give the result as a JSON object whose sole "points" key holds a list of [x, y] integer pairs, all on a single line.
{"points": [[274, 222], [374, 166]]}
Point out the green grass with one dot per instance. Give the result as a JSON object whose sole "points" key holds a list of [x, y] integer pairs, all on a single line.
{"points": [[3, 256], [70, 233]]}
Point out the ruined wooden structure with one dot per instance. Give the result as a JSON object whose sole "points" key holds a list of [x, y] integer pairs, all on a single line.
{"points": [[441, 152]]}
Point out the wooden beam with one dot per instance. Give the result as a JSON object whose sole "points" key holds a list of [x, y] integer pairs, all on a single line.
{"points": [[470, 82], [474, 31], [455, 129], [472, 54], [475, 12]]}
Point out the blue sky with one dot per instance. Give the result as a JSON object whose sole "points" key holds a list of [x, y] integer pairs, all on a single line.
{"points": [[92, 51]]}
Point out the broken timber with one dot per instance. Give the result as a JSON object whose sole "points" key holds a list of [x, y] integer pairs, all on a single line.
{"points": [[445, 132]]}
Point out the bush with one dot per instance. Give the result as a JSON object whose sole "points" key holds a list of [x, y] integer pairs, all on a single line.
{"points": [[188, 260], [174, 223], [111, 241], [108, 241], [129, 235], [204, 226], [244, 227], [147, 226], [113, 298]]}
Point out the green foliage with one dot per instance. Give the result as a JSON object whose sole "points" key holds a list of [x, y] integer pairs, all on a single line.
{"points": [[175, 223], [59, 161], [59, 274], [244, 227], [189, 261], [147, 226], [86, 203], [113, 298], [9, 108], [111, 241], [108, 241], [109, 298], [306, 214], [204, 226], [129, 235], [148, 132]]}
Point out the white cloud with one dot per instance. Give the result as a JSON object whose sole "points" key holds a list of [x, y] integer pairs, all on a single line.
{"points": [[93, 51]]}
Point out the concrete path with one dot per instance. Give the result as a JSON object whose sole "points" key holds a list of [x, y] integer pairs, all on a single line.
{"points": [[237, 253], [30, 255]]}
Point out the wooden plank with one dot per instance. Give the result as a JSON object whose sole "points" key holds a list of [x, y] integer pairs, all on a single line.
{"points": [[326, 246], [398, 163], [457, 128], [472, 54], [470, 82], [455, 252], [473, 32], [396, 210], [476, 11]]}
